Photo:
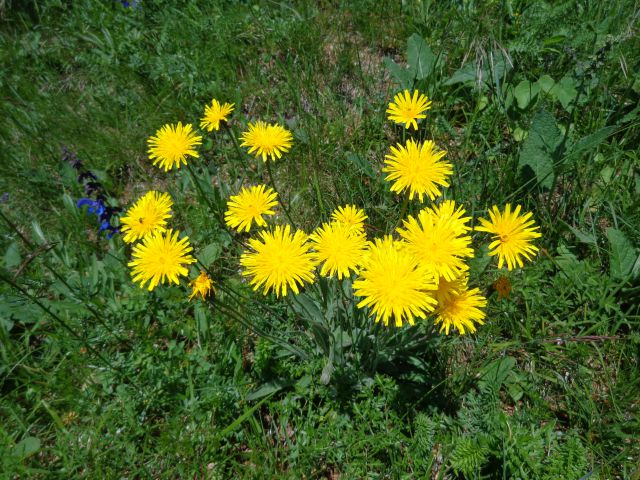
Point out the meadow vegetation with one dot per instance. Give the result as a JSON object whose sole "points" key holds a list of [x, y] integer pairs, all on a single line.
{"points": [[536, 103]]}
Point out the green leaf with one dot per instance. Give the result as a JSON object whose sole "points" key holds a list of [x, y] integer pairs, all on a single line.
{"points": [[400, 74], [420, 58], [12, 256], [269, 388], [25, 448], [210, 254], [539, 149], [590, 142], [565, 91], [525, 92], [546, 83], [363, 165], [466, 74], [583, 237], [496, 373], [622, 255]]}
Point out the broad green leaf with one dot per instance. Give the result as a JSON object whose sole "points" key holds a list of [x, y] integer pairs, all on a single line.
{"points": [[496, 372], [622, 255], [539, 149], [466, 74], [25, 448], [12, 256], [525, 92], [546, 83], [400, 74], [565, 91], [209, 254], [420, 58], [583, 237]]}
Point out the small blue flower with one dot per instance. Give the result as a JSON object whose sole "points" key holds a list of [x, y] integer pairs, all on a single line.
{"points": [[104, 214]]}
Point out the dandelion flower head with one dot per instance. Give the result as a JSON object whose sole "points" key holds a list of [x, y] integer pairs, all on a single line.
{"points": [[511, 234], [250, 206], [418, 168], [172, 144], [436, 243], [159, 258], [267, 140], [339, 248], [278, 261], [407, 109], [447, 209], [214, 114], [202, 285], [461, 311], [349, 215], [148, 214], [393, 285], [448, 288]]}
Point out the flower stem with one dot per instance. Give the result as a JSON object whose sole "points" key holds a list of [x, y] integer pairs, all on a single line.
{"points": [[273, 184], [203, 196], [403, 209], [241, 155]]}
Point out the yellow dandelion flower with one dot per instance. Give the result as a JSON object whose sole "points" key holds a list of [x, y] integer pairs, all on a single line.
{"points": [[350, 215], [266, 140], [202, 285], [249, 206], [447, 209], [407, 109], [340, 247], [279, 261], [214, 114], [512, 235], [148, 215], [436, 243], [393, 284], [447, 288], [171, 145], [417, 167], [160, 257], [461, 310]]}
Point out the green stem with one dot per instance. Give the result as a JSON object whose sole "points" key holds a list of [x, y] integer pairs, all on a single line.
{"points": [[403, 209], [241, 155], [203, 195], [273, 184]]}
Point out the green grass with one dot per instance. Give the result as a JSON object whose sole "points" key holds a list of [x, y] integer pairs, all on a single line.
{"points": [[536, 103]]}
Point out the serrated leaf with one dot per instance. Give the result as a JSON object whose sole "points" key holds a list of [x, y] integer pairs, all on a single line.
{"points": [[539, 149], [420, 58], [622, 255]]}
